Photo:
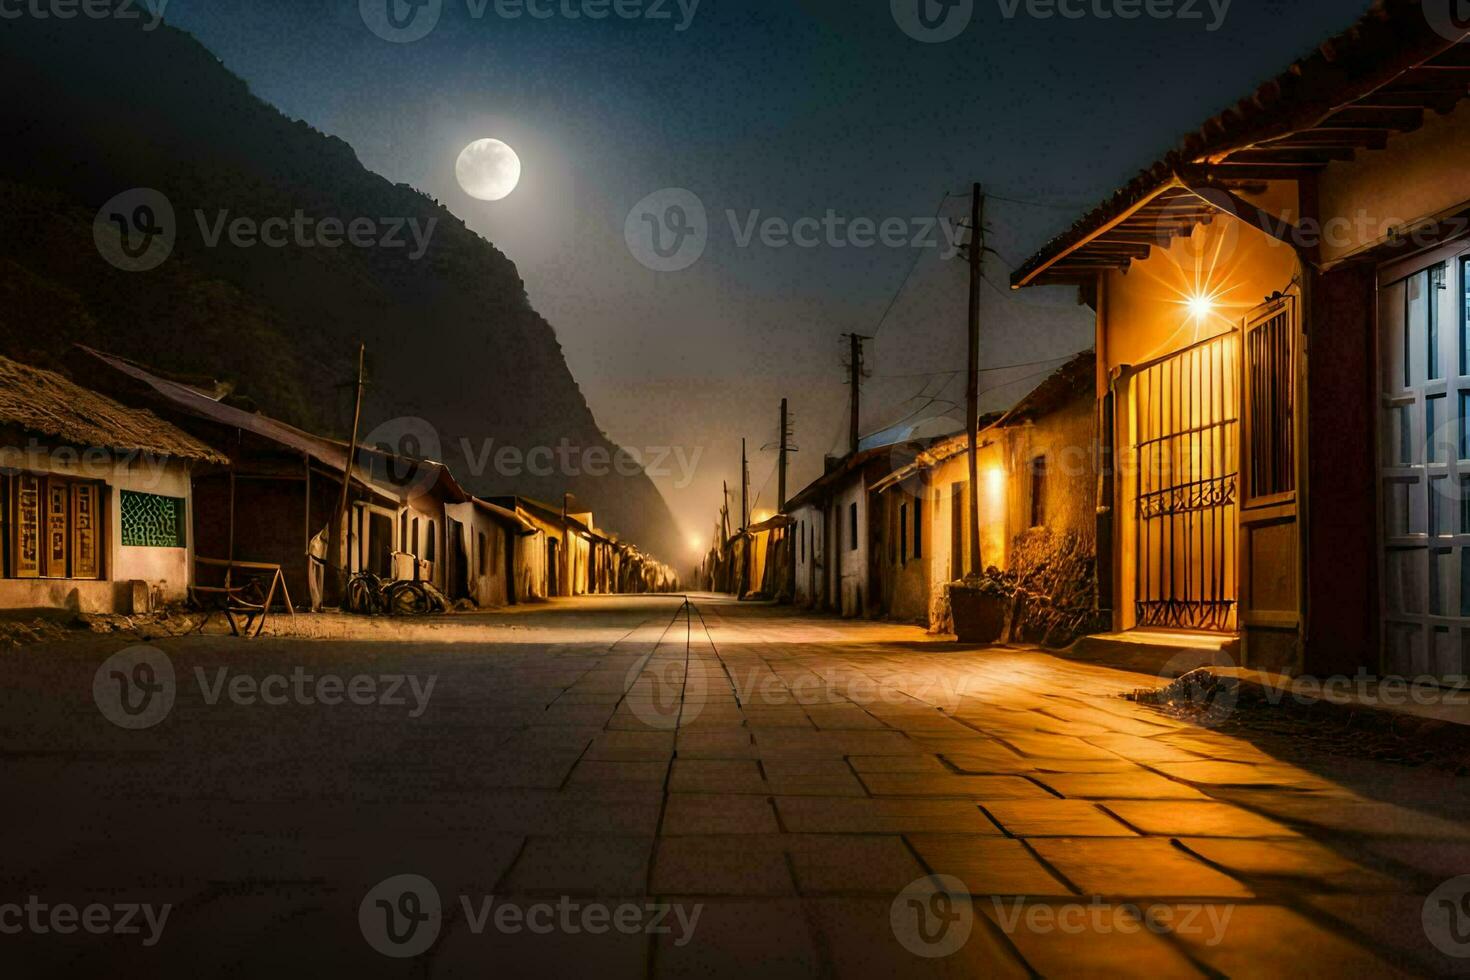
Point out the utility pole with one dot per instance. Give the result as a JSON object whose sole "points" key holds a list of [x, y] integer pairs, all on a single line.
{"points": [[855, 367], [972, 394], [351, 455], [725, 513], [744, 488], [781, 465]]}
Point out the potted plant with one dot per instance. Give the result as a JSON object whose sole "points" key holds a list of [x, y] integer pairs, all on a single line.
{"points": [[979, 605]]}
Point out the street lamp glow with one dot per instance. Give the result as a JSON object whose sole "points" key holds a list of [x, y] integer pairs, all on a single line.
{"points": [[1201, 306]]}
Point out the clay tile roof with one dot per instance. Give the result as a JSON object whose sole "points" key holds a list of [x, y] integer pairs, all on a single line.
{"points": [[49, 404]]}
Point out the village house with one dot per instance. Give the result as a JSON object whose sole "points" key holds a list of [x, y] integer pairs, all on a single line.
{"points": [[834, 530], [562, 547], [95, 498], [1037, 484], [1283, 363], [280, 487]]}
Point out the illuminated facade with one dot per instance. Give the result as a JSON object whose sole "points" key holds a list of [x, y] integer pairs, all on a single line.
{"points": [[1284, 365]]}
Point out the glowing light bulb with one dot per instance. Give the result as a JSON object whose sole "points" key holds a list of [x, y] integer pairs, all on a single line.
{"points": [[1201, 306]]}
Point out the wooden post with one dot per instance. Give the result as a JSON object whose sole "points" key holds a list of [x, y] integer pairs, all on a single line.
{"points": [[345, 540], [972, 394], [785, 448]]}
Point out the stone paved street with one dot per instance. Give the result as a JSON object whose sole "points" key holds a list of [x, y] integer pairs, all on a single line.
{"points": [[653, 789]]}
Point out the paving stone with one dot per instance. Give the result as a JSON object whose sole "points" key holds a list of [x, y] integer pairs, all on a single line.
{"points": [[840, 717], [1084, 766], [777, 717], [843, 784], [722, 865], [717, 776], [1366, 817], [818, 815], [988, 865], [850, 863], [1312, 863], [1430, 857], [1394, 924], [689, 813], [463, 953], [1143, 749], [740, 938], [1128, 785], [1238, 774], [948, 784], [1056, 747], [611, 771], [1135, 867], [716, 745], [1085, 940], [632, 746], [581, 866], [1185, 819], [897, 763], [1055, 818], [858, 936], [1261, 940]]}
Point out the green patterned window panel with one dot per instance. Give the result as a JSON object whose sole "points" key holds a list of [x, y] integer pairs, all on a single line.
{"points": [[151, 521]]}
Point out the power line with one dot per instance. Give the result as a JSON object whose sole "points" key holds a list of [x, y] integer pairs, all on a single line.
{"points": [[918, 255], [1000, 367], [1037, 204]]}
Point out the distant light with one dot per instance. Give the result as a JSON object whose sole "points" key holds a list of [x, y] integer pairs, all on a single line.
{"points": [[1201, 306], [696, 546]]}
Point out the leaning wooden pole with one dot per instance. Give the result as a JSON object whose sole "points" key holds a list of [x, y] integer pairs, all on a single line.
{"points": [[347, 470], [972, 393]]}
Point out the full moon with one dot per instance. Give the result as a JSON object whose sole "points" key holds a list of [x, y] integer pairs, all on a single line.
{"points": [[488, 170]]}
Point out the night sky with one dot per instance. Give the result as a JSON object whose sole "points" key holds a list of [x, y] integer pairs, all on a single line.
{"points": [[789, 108]]}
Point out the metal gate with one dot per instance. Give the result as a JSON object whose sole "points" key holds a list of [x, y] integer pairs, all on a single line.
{"points": [[1186, 437]]}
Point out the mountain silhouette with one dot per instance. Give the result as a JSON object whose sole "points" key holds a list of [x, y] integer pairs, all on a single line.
{"points": [[98, 108]]}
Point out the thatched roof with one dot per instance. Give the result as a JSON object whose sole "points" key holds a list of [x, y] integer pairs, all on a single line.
{"points": [[48, 404]]}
